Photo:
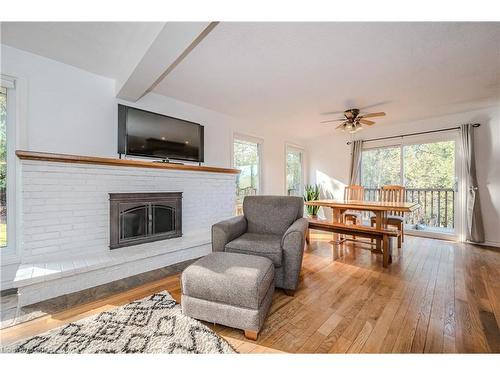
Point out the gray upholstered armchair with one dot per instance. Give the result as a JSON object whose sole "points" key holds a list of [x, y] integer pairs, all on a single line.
{"points": [[272, 227]]}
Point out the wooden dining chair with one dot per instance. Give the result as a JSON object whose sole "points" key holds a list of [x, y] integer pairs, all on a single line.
{"points": [[393, 193], [356, 193]]}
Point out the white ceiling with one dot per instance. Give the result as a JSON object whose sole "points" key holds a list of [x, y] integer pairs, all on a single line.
{"points": [[109, 49], [285, 75]]}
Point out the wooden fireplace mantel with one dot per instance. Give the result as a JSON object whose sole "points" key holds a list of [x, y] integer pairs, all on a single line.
{"points": [[78, 159]]}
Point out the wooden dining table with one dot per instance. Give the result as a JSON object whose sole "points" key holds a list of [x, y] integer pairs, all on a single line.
{"points": [[380, 209]]}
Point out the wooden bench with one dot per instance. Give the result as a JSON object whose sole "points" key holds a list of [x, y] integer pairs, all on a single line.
{"points": [[361, 231]]}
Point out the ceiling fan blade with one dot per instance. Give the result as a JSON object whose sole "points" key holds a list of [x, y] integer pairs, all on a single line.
{"points": [[331, 113], [375, 114], [379, 104], [340, 126], [366, 122], [339, 119]]}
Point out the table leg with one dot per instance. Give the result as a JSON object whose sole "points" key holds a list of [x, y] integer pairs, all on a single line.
{"points": [[378, 225], [380, 222], [336, 218]]}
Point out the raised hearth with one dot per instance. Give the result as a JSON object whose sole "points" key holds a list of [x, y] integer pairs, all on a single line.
{"points": [[65, 237]]}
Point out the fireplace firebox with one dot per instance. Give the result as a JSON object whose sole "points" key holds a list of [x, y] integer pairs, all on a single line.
{"points": [[137, 218]]}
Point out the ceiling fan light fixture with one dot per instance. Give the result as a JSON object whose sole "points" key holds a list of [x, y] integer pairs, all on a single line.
{"points": [[353, 121]]}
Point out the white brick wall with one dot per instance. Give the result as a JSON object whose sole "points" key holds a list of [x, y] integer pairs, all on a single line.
{"points": [[65, 207]]}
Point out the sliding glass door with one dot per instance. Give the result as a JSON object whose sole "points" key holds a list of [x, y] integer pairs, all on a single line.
{"points": [[430, 179], [380, 166], [427, 168]]}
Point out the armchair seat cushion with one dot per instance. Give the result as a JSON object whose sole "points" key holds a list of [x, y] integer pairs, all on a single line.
{"points": [[265, 245]]}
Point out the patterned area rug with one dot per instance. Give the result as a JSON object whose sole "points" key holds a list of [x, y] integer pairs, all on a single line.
{"points": [[154, 324]]}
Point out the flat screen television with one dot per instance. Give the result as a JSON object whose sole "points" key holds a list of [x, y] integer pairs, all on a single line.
{"points": [[148, 134]]}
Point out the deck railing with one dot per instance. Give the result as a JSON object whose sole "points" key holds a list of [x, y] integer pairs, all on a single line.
{"points": [[437, 207]]}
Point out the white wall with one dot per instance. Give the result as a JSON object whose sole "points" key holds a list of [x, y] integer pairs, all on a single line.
{"points": [[330, 155], [328, 166]]}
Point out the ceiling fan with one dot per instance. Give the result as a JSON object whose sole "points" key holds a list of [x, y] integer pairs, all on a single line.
{"points": [[353, 121]]}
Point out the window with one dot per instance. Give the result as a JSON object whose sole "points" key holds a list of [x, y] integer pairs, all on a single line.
{"points": [[7, 166], [294, 171], [246, 158], [381, 166], [3, 167], [429, 165]]}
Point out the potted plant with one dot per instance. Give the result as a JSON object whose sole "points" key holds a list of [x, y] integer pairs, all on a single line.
{"points": [[311, 193]]}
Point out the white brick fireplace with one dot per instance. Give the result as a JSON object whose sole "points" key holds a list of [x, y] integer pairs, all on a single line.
{"points": [[65, 223]]}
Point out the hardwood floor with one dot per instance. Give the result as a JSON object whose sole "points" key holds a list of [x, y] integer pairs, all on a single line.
{"points": [[436, 297]]}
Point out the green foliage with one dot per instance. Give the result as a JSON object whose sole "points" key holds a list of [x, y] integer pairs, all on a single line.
{"points": [[293, 172], [3, 165], [3, 138], [430, 165], [311, 193], [380, 166], [246, 159], [427, 165]]}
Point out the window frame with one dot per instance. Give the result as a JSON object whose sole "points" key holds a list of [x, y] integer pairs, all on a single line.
{"points": [[301, 150], [259, 142], [9, 253]]}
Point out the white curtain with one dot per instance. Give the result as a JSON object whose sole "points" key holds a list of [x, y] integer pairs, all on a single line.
{"points": [[473, 218], [356, 150]]}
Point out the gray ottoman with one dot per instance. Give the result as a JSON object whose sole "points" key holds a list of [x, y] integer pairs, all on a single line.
{"points": [[232, 289]]}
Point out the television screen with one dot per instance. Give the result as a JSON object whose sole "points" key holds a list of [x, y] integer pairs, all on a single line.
{"points": [[143, 133]]}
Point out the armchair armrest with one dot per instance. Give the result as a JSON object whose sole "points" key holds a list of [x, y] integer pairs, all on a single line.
{"points": [[225, 231], [292, 243]]}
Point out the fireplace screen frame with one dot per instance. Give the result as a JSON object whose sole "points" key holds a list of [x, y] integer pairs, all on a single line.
{"points": [[120, 202]]}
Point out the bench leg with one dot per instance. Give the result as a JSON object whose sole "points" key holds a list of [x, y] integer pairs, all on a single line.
{"points": [[251, 335], [308, 236]]}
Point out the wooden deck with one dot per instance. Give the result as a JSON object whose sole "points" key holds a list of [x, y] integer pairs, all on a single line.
{"points": [[436, 297]]}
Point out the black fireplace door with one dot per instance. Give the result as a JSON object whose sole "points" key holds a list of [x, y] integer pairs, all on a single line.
{"points": [[163, 219], [144, 217]]}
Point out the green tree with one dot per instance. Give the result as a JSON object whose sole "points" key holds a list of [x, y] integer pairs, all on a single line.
{"points": [[246, 158], [426, 166], [3, 165], [380, 166], [293, 172], [430, 165], [3, 137]]}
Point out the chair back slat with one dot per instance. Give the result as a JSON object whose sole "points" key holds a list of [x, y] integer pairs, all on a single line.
{"points": [[354, 193], [393, 193]]}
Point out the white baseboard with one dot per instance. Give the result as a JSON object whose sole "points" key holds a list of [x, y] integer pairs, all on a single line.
{"points": [[485, 243]]}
